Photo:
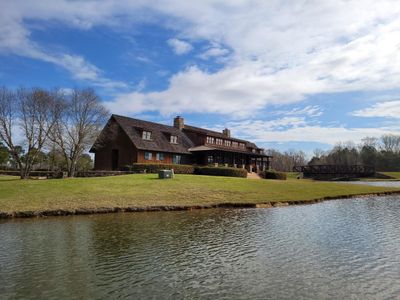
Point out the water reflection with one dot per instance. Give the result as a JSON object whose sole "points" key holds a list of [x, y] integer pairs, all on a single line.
{"points": [[376, 183], [336, 249]]}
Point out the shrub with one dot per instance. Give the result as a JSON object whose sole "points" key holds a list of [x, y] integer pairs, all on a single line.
{"points": [[223, 171], [274, 175], [154, 168]]}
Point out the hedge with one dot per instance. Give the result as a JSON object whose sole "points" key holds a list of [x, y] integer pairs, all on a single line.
{"points": [[221, 171], [274, 175], [186, 169], [154, 168]]}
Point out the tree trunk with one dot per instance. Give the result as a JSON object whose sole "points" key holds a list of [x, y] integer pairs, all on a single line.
{"points": [[72, 167], [22, 173]]}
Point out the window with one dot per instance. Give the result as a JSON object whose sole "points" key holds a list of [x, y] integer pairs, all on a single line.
{"points": [[148, 156], [242, 145], [210, 159], [219, 142], [253, 150], [173, 139], [176, 159], [146, 135], [227, 143], [235, 144], [210, 140], [160, 156]]}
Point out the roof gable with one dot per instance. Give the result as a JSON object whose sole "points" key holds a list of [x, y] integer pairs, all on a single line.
{"points": [[160, 135], [217, 134]]}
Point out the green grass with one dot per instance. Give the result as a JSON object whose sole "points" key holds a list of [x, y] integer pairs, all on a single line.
{"points": [[395, 175], [292, 175], [146, 190]]}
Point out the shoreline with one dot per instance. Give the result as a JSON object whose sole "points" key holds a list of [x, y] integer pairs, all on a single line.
{"points": [[106, 210]]}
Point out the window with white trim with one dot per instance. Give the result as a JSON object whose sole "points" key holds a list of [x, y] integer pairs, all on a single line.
{"points": [[176, 159], [210, 140], [219, 142], [173, 139], [146, 135], [159, 156], [227, 143], [235, 144], [148, 155]]}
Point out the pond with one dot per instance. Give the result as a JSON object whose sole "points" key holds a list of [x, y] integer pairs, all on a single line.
{"points": [[332, 250], [375, 183]]}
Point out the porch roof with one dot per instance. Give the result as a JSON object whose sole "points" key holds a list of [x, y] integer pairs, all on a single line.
{"points": [[203, 148]]}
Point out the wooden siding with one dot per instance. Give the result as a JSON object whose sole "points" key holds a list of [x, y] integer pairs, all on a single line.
{"points": [[185, 159], [141, 159], [117, 140]]}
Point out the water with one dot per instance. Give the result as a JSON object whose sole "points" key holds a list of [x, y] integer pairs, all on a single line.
{"points": [[332, 250], [375, 183]]}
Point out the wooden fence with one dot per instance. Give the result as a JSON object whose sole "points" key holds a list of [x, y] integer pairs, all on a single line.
{"points": [[333, 171], [59, 174]]}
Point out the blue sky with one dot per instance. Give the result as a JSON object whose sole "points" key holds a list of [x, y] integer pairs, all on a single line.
{"points": [[286, 74]]}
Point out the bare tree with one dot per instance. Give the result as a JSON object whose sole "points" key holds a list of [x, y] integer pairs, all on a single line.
{"points": [[391, 143], [287, 160], [7, 122], [82, 118], [369, 142], [34, 111]]}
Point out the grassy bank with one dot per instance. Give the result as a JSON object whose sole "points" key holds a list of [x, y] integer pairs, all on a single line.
{"points": [[394, 175], [146, 190]]}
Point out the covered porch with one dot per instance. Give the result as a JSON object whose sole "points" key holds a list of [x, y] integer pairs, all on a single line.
{"points": [[252, 162]]}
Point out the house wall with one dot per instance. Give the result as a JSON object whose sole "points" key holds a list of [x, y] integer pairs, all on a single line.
{"points": [[185, 159], [115, 139], [141, 159]]}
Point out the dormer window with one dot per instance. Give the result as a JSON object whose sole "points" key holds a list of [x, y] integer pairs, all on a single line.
{"points": [[227, 143], [146, 135], [219, 142], [173, 139], [235, 144], [242, 145], [210, 140]]}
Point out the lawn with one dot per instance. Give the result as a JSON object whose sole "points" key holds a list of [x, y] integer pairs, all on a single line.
{"points": [[395, 175], [146, 190], [292, 175]]}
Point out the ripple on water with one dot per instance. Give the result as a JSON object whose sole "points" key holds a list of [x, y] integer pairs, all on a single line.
{"points": [[338, 249]]}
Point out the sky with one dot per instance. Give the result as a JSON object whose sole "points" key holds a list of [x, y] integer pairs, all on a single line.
{"points": [[285, 74]]}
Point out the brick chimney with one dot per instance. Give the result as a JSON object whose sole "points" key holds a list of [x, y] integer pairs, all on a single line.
{"points": [[226, 132], [179, 122]]}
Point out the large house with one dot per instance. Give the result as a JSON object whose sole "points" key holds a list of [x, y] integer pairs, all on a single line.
{"points": [[124, 141]]}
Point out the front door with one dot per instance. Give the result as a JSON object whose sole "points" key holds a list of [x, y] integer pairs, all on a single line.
{"points": [[114, 159]]}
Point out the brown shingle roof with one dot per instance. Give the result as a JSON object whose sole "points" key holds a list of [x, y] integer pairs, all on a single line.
{"points": [[160, 135], [218, 135]]}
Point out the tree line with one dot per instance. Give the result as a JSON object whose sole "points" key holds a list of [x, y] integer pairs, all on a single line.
{"points": [[382, 153], [52, 126], [285, 161]]}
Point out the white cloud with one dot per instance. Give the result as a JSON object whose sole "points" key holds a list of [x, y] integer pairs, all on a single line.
{"points": [[15, 39], [310, 110], [239, 90], [214, 52], [297, 129], [144, 59], [179, 47], [279, 53], [387, 109]]}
